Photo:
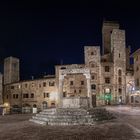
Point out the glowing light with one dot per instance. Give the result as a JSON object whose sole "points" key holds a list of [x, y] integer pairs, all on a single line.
{"points": [[6, 104]]}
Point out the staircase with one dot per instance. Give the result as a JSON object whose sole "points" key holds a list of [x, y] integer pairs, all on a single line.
{"points": [[71, 116]]}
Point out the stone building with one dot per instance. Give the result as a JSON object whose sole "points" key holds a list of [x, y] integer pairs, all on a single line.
{"points": [[103, 78], [40, 93], [1, 89], [135, 96]]}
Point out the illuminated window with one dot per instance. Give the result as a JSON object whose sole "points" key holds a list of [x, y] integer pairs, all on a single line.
{"points": [[107, 90]]}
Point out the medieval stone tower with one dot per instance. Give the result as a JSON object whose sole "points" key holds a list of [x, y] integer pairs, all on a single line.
{"points": [[119, 61], [11, 70], [107, 29], [92, 61]]}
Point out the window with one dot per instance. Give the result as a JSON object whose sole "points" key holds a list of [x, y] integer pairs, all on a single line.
{"points": [[92, 64], [93, 53], [7, 96], [12, 87], [120, 90], [32, 84], [137, 68], [119, 55], [26, 85], [15, 96], [92, 77], [120, 80], [119, 72], [64, 94], [107, 68], [107, 80], [32, 95], [107, 90], [80, 91], [71, 83], [74, 91], [62, 68], [51, 83], [46, 95], [26, 95], [82, 82], [137, 82], [93, 87], [44, 84]]}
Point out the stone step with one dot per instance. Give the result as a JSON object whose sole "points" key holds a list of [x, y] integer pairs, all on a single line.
{"points": [[38, 121], [64, 116], [62, 119], [71, 116]]}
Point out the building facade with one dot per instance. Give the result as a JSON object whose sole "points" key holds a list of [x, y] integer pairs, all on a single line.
{"points": [[1, 89], [103, 77], [135, 96]]}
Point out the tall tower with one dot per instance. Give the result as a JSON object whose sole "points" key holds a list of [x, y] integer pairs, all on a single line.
{"points": [[1, 88], [107, 29], [11, 70], [119, 58]]}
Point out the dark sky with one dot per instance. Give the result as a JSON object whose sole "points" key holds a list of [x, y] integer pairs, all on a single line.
{"points": [[42, 34]]}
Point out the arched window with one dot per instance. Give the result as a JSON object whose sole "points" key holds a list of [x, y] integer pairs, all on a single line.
{"points": [[119, 72], [120, 80]]}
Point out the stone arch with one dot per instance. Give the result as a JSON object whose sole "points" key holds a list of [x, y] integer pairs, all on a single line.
{"points": [[63, 73]]}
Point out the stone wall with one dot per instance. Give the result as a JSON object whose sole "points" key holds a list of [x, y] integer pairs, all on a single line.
{"points": [[75, 102]]}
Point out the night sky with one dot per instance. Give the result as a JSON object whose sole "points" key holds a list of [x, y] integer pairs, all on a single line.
{"points": [[42, 34]]}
